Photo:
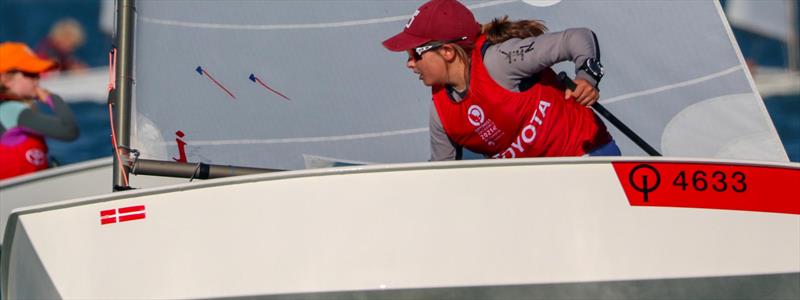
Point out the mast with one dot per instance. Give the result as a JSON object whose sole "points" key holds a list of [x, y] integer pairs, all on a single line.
{"points": [[792, 41], [124, 88]]}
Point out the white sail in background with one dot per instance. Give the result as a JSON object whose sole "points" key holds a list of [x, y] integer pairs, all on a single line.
{"points": [[770, 18], [90, 85], [773, 20], [267, 83]]}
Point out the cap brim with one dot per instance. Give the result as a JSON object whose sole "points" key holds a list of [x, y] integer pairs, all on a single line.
{"points": [[37, 65], [404, 41]]}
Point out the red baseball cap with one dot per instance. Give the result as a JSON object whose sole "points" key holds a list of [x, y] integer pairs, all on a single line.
{"points": [[436, 20], [17, 56]]}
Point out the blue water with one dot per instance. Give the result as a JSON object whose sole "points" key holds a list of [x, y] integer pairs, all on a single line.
{"points": [[785, 113], [30, 20]]}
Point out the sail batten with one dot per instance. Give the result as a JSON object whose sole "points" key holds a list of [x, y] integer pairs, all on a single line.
{"points": [[317, 139], [300, 26], [672, 86]]}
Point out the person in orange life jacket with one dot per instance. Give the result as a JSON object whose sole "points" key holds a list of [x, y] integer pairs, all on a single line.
{"points": [[493, 90], [22, 127]]}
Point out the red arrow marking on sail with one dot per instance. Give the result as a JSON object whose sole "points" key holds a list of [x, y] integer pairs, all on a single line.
{"points": [[253, 78], [201, 71]]}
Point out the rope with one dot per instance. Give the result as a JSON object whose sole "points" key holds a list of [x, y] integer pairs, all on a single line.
{"points": [[112, 69], [114, 143], [195, 171]]}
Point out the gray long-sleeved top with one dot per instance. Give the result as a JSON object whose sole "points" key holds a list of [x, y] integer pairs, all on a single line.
{"points": [[61, 125], [512, 63]]}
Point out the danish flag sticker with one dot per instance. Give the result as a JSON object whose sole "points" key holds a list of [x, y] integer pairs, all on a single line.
{"points": [[123, 214]]}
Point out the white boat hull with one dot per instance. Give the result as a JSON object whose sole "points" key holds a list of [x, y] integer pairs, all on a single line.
{"points": [[90, 178], [412, 228]]}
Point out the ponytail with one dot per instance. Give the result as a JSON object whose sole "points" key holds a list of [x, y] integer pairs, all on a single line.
{"points": [[498, 31], [502, 29]]}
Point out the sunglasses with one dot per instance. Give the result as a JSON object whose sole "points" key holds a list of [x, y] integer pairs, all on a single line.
{"points": [[418, 51], [27, 74]]}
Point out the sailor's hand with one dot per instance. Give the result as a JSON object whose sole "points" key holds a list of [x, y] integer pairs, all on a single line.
{"points": [[584, 93], [42, 94]]}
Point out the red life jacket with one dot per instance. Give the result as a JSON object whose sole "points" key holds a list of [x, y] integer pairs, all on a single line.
{"points": [[538, 122], [27, 157]]}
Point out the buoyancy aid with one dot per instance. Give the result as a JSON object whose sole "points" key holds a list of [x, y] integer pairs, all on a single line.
{"points": [[499, 123], [26, 157]]}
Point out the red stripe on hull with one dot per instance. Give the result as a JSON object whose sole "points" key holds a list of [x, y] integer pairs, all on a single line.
{"points": [[126, 218], [131, 209], [712, 186]]}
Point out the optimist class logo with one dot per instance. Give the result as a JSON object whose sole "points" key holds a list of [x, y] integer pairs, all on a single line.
{"points": [[123, 214], [475, 115]]}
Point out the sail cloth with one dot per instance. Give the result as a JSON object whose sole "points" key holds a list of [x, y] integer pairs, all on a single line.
{"points": [[269, 83]]}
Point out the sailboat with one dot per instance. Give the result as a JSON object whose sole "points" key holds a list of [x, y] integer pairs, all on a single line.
{"points": [[290, 84]]}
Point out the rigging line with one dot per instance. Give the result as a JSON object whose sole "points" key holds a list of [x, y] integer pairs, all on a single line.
{"points": [[672, 86], [300, 26], [116, 147], [306, 139]]}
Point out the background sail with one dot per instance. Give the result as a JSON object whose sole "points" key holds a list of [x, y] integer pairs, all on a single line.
{"points": [[772, 18], [323, 86], [768, 33]]}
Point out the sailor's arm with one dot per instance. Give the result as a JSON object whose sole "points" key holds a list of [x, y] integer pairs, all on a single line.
{"points": [[511, 62], [62, 125]]}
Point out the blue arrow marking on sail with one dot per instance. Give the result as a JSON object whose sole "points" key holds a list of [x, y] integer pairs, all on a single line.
{"points": [[258, 80], [203, 72]]}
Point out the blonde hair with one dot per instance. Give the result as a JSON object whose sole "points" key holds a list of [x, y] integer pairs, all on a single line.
{"points": [[68, 29], [502, 29]]}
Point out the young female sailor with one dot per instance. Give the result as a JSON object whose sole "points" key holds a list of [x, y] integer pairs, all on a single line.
{"points": [[493, 90], [22, 127]]}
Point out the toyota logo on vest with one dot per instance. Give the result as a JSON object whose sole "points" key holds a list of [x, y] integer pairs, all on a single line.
{"points": [[475, 115]]}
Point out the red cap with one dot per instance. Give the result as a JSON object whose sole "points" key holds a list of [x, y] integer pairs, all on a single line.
{"points": [[436, 20], [17, 56]]}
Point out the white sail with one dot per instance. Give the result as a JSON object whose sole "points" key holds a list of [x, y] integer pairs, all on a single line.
{"points": [[322, 85]]}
